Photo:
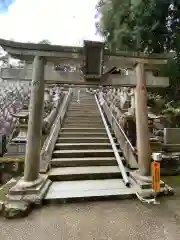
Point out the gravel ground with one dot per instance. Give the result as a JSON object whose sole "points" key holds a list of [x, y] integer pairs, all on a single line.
{"points": [[107, 220], [125, 219]]}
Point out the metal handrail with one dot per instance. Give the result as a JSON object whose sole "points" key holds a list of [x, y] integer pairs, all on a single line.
{"points": [[119, 126], [118, 158], [127, 140], [127, 148]]}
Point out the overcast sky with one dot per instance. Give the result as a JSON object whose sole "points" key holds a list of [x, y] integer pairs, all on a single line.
{"points": [[63, 22]]}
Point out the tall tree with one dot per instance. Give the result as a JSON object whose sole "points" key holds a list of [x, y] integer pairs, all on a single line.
{"points": [[146, 25], [45, 41], [142, 25]]}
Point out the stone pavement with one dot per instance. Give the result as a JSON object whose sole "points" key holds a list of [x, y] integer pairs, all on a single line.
{"points": [[116, 220]]}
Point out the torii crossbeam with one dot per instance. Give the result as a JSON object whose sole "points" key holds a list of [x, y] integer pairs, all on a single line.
{"points": [[92, 63]]}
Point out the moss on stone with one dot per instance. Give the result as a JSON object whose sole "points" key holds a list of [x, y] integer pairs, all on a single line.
{"points": [[13, 158], [5, 188]]}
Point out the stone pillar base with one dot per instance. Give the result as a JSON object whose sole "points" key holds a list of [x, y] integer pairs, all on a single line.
{"points": [[24, 194], [144, 186], [144, 182]]}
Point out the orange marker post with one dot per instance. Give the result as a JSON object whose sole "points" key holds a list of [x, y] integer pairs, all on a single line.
{"points": [[156, 176], [155, 167]]}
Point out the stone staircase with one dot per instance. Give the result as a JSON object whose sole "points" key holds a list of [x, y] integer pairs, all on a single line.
{"points": [[83, 164]]}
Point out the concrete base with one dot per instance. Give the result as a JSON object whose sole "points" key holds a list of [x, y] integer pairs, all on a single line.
{"points": [[144, 182], [149, 193], [30, 191], [24, 194], [144, 186], [23, 185]]}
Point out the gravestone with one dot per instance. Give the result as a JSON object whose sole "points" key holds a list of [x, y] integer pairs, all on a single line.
{"points": [[172, 135]]}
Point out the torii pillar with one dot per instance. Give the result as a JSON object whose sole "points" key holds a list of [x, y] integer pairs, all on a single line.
{"points": [[36, 109], [141, 111], [32, 184]]}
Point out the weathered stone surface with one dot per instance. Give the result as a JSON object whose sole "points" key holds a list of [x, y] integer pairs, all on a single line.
{"points": [[16, 209], [10, 167], [149, 193], [172, 135], [30, 193], [143, 182], [170, 164], [16, 148]]}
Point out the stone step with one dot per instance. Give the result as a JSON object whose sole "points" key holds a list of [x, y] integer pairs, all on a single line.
{"points": [[81, 162], [84, 107], [82, 134], [87, 103], [82, 115], [82, 102], [82, 120], [84, 153], [88, 190], [85, 96], [83, 125], [80, 106], [84, 99], [84, 173], [80, 146], [83, 140], [83, 111], [83, 129]]}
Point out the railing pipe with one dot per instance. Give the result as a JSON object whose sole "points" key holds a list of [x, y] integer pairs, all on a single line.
{"points": [[121, 166]]}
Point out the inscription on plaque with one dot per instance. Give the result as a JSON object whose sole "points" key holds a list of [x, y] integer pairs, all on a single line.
{"points": [[21, 148]]}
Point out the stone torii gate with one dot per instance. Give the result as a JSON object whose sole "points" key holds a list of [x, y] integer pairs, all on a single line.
{"points": [[93, 64]]}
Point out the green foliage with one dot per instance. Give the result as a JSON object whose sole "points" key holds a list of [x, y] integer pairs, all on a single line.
{"points": [[151, 26], [135, 25], [45, 41]]}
